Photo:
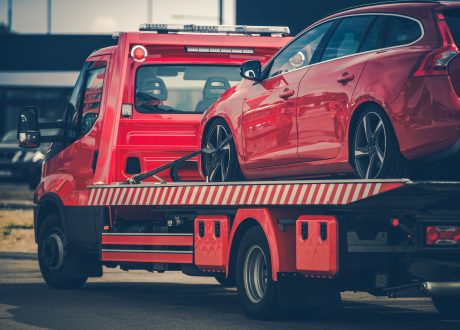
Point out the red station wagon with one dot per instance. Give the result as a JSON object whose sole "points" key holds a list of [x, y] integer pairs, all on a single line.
{"points": [[372, 90]]}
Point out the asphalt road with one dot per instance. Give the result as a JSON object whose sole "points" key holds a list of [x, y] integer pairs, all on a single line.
{"points": [[139, 299]]}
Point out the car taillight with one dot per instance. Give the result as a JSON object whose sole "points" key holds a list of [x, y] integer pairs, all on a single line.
{"points": [[443, 235], [435, 63]]}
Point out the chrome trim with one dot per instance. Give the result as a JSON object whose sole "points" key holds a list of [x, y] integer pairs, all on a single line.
{"points": [[145, 234], [337, 58], [149, 251]]}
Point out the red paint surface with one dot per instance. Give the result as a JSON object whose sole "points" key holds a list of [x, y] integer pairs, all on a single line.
{"points": [[176, 258], [211, 251], [315, 256]]}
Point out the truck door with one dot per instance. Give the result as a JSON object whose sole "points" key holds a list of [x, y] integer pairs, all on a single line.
{"points": [[70, 165]]}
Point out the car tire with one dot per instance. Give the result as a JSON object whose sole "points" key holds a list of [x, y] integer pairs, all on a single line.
{"points": [[226, 282], [447, 306], [374, 148], [222, 166], [53, 256], [257, 291]]}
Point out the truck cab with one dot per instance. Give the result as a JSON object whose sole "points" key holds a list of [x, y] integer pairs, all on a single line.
{"points": [[135, 106]]}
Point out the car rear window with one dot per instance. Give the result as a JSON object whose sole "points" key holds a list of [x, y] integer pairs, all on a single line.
{"points": [[453, 20], [373, 39], [402, 31], [347, 37], [182, 88]]}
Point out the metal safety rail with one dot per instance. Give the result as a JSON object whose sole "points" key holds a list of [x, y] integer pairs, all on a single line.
{"points": [[145, 247], [395, 194]]}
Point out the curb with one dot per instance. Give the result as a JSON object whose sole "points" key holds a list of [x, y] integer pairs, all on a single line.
{"points": [[16, 205], [18, 255]]}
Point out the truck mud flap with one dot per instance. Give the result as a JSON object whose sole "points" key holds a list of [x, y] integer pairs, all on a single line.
{"points": [[295, 290]]}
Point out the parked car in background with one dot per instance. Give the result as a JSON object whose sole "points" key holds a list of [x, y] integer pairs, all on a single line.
{"points": [[20, 165], [371, 90]]}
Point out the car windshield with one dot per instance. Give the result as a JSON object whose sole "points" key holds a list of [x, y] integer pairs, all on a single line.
{"points": [[10, 137], [182, 88]]}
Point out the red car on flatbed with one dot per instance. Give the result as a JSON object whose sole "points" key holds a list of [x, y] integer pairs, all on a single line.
{"points": [[285, 244], [371, 91]]}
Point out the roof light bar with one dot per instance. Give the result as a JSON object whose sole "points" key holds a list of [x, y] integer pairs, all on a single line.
{"points": [[228, 29]]}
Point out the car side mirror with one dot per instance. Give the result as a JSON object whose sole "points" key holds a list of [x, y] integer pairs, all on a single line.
{"points": [[251, 70], [28, 128]]}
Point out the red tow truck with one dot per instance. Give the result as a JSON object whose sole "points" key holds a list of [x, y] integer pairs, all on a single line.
{"points": [[284, 244]]}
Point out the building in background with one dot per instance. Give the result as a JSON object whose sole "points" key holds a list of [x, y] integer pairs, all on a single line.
{"points": [[41, 70], [297, 14]]}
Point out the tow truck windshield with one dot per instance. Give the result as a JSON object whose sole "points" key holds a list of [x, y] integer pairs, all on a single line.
{"points": [[182, 88]]}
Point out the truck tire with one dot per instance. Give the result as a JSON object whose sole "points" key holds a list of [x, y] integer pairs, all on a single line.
{"points": [[447, 306], [257, 291], [54, 257], [226, 282]]}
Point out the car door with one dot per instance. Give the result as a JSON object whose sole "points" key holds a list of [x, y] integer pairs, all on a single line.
{"points": [[326, 91], [269, 126]]}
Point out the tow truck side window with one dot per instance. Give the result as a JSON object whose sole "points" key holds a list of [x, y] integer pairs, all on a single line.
{"points": [[83, 107], [181, 88]]}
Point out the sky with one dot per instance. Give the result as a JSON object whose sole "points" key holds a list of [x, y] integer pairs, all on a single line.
{"points": [[107, 16]]}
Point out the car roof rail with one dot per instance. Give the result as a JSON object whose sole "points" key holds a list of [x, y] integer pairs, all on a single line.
{"points": [[216, 29], [395, 2]]}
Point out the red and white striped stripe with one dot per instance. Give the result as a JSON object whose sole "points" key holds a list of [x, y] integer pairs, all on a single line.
{"points": [[311, 193]]}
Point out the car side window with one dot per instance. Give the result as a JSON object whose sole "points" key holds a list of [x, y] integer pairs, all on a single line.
{"points": [[347, 37], [300, 52], [92, 96], [374, 37], [402, 31]]}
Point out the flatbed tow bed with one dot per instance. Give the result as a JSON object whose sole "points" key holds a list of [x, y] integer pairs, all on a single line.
{"points": [[316, 238]]}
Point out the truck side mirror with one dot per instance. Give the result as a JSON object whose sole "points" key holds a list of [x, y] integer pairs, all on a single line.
{"points": [[28, 129], [251, 70]]}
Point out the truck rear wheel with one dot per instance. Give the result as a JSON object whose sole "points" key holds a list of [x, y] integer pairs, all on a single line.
{"points": [[256, 289], [447, 306], [54, 257]]}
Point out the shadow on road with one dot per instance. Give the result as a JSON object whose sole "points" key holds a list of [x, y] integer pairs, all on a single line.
{"points": [[172, 305]]}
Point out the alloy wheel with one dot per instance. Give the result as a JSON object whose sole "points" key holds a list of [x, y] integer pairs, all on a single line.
{"points": [[370, 146], [255, 274], [217, 164]]}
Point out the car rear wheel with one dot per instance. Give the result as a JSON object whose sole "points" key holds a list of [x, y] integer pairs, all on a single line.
{"points": [[222, 165], [374, 149], [54, 257]]}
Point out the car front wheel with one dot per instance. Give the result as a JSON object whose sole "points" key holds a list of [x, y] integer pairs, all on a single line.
{"points": [[221, 165]]}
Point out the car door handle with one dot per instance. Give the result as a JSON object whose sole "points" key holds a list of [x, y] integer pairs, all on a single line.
{"points": [[346, 77], [287, 93]]}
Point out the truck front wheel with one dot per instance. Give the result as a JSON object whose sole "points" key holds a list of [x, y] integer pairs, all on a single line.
{"points": [[256, 289], [54, 257]]}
